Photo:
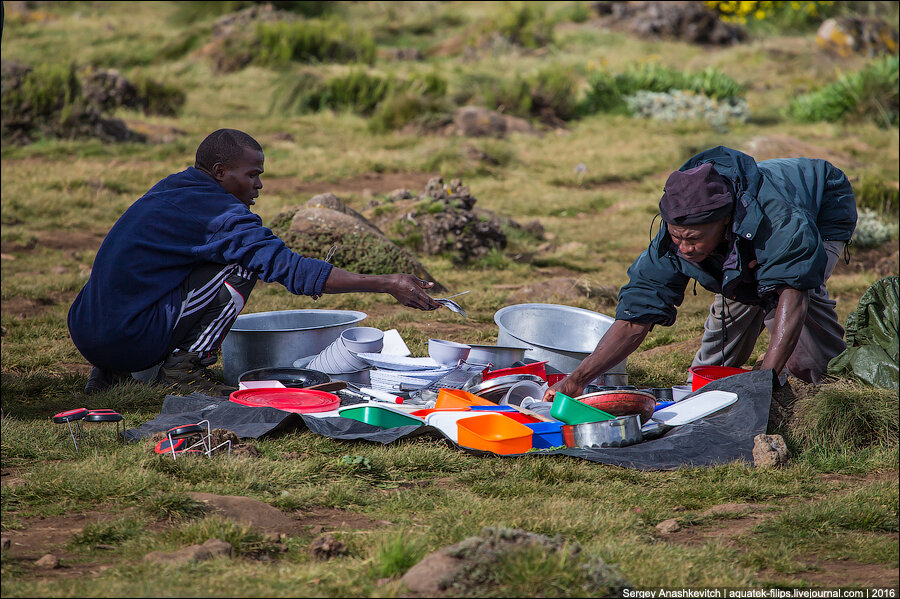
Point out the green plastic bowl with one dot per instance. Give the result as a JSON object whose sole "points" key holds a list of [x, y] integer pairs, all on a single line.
{"points": [[572, 411], [381, 417]]}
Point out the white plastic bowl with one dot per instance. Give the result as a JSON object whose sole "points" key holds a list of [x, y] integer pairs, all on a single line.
{"points": [[447, 352], [363, 339]]}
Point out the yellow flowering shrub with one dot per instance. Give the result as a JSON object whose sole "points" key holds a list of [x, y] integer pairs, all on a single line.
{"points": [[785, 14]]}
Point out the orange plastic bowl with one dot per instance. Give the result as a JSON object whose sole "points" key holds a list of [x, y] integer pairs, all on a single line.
{"points": [[702, 375], [495, 433], [457, 398]]}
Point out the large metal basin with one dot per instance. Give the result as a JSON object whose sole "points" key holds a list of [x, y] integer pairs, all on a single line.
{"points": [[273, 339], [562, 335]]}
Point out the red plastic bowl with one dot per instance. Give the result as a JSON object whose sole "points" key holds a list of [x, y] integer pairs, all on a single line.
{"points": [[706, 374], [535, 368]]}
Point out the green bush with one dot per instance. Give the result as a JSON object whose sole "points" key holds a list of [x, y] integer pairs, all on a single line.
{"points": [[282, 42], [393, 102], [524, 24], [872, 93], [846, 416], [607, 92], [548, 94], [159, 98], [874, 194], [48, 91]]}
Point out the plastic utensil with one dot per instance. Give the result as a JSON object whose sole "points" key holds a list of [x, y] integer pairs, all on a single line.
{"points": [[381, 395], [572, 411], [299, 401], [495, 433], [701, 405]]}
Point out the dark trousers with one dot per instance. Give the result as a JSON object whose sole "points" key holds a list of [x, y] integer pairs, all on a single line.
{"points": [[213, 296]]}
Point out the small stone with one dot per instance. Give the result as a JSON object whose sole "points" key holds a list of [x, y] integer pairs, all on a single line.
{"points": [[48, 562], [770, 451], [105, 547], [669, 526], [317, 529], [327, 547], [6, 542], [678, 508], [273, 537]]}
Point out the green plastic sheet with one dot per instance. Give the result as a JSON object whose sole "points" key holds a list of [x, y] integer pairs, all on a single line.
{"points": [[873, 348]]}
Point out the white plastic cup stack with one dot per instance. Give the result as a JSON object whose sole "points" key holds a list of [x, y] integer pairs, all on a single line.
{"points": [[340, 356]]}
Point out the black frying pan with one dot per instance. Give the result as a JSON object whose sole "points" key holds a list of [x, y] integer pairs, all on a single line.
{"points": [[287, 376]]}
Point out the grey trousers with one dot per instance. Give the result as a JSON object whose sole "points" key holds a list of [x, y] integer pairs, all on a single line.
{"points": [[821, 338]]}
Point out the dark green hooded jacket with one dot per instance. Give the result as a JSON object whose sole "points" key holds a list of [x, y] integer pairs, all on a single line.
{"points": [[784, 209]]}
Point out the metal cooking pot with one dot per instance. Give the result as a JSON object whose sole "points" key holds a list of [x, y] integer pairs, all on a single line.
{"points": [[620, 432], [289, 377], [271, 339], [563, 335]]}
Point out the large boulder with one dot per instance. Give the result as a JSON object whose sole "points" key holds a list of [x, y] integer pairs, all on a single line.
{"points": [[846, 36], [326, 222], [687, 21], [443, 220], [473, 567], [475, 121]]}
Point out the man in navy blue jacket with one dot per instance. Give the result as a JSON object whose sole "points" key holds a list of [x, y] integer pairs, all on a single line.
{"points": [[764, 237], [175, 271]]}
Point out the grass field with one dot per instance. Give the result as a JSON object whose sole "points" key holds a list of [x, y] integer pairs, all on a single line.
{"points": [[829, 519]]}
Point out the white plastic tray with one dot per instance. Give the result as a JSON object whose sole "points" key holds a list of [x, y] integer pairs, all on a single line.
{"points": [[694, 408], [392, 362], [446, 422]]}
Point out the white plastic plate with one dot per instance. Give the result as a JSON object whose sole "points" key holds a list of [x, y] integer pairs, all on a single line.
{"points": [[698, 406], [391, 362]]}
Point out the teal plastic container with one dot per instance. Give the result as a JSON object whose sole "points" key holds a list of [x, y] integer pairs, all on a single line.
{"points": [[572, 411]]}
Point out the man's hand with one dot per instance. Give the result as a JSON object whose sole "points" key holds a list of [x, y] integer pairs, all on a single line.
{"points": [[567, 386], [408, 290]]}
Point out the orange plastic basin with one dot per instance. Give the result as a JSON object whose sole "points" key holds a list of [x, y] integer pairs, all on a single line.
{"points": [[457, 398], [706, 374], [495, 433]]}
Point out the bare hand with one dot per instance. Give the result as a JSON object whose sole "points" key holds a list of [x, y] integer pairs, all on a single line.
{"points": [[408, 290], [566, 386]]}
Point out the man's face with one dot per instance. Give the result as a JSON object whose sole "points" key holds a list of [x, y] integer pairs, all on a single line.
{"points": [[697, 242], [241, 179]]}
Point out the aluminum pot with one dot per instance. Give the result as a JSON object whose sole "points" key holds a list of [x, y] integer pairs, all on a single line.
{"points": [[273, 339], [562, 335], [620, 432], [498, 355]]}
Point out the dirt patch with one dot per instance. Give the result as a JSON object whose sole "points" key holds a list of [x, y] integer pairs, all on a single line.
{"points": [[375, 183], [883, 260], [50, 534], [836, 573], [23, 307], [688, 346], [57, 240], [319, 520]]}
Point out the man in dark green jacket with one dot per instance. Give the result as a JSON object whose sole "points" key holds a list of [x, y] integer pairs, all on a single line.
{"points": [[764, 237]]}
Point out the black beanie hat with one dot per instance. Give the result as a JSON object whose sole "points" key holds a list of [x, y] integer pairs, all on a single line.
{"points": [[696, 196]]}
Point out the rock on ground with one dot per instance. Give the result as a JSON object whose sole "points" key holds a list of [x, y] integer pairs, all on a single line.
{"points": [[669, 526], [846, 36], [469, 568], [326, 547], [687, 21], [770, 451], [193, 553], [48, 562], [248, 512]]}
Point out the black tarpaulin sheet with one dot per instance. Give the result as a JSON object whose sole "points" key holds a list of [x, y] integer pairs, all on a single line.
{"points": [[719, 438]]}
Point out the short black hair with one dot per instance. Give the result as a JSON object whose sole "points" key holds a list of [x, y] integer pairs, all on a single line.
{"points": [[225, 146]]}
